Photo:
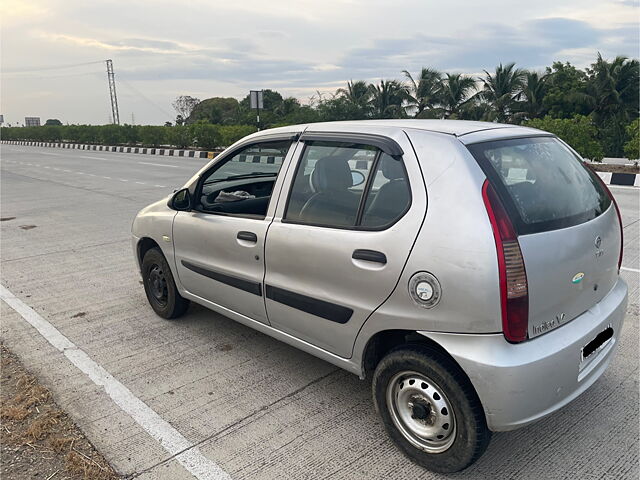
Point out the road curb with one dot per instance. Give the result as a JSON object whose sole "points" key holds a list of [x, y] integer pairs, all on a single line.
{"points": [[622, 179], [167, 152], [610, 178]]}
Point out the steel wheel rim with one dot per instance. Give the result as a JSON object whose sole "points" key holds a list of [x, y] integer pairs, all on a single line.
{"points": [[157, 283], [421, 411]]}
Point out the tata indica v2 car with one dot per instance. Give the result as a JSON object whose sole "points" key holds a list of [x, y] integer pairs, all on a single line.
{"points": [[471, 270]]}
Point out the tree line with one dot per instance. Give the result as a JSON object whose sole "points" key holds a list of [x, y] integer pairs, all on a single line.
{"points": [[595, 109]]}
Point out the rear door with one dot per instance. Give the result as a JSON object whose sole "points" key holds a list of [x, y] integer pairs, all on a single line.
{"points": [[341, 235], [568, 228]]}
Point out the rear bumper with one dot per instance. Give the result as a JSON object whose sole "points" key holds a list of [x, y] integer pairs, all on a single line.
{"points": [[519, 384]]}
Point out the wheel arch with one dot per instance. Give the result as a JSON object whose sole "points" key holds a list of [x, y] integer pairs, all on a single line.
{"points": [[384, 341], [144, 245]]}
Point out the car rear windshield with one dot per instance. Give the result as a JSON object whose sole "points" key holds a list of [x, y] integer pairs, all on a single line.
{"points": [[542, 183]]}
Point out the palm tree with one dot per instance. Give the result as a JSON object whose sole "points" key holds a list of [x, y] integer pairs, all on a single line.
{"points": [[456, 90], [357, 93], [502, 89], [478, 109], [387, 99], [424, 94], [534, 89], [613, 89]]}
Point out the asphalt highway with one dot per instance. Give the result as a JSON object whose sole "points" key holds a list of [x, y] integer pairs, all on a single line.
{"points": [[252, 406]]}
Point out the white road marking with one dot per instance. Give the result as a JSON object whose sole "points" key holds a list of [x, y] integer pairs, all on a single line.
{"points": [[68, 171], [108, 178], [159, 164], [79, 173], [168, 437], [94, 158], [91, 175], [627, 269], [123, 179], [141, 183], [160, 186], [54, 154]]}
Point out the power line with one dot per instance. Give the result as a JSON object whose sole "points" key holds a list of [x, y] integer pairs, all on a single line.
{"points": [[144, 97], [50, 67]]}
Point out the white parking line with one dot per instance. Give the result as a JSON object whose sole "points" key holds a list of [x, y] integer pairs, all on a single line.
{"points": [[627, 269], [168, 437], [159, 164]]}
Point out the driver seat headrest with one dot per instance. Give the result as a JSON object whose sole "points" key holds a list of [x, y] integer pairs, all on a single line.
{"points": [[331, 174]]}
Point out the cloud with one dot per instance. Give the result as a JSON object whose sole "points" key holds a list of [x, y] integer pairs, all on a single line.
{"points": [[221, 48]]}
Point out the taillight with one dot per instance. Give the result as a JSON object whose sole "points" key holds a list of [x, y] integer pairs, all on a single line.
{"points": [[514, 292]]}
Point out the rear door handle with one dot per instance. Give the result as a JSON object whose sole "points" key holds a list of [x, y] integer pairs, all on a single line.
{"points": [[248, 236], [369, 256]]}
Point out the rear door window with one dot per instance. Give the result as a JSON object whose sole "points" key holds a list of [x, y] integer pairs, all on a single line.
{"points": [[345, 185], [541, 182]]}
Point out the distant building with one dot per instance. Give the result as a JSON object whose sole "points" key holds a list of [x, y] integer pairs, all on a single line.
{"points": [[31, 121]]}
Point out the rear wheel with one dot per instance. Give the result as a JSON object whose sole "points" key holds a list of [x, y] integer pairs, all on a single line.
{"points": [[160, 287], [429, 409]]}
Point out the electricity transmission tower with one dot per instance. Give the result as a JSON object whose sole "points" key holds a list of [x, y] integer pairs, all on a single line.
{"points": [[112, 92]]}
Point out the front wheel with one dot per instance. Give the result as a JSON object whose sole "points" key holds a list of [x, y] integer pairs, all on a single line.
{"points": [[429, 409], [160, 287]]}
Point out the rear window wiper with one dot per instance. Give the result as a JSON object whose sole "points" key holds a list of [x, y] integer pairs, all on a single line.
{"points": [[241, 176]]}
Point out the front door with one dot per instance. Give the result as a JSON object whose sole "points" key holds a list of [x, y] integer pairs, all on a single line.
{"points": [[341, 235], [219, 245]]}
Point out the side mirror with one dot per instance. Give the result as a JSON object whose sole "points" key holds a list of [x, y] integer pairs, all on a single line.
{"points": [[357, 178], [181, 200]]}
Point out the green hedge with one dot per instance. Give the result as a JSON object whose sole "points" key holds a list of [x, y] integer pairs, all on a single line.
{"points": [[580, 132], [198, 135]]}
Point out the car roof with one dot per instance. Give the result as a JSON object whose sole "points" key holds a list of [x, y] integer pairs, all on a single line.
{"points": [[451, 127]]}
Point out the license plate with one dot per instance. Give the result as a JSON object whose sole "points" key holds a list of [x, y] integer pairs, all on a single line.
{"points": [[595, 345]]}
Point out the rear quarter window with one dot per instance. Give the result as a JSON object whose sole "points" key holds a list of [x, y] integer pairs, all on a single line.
{"points": [[543, 185]]}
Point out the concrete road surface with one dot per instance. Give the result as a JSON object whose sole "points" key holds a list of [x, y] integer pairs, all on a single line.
{"points": [[254, 406]]}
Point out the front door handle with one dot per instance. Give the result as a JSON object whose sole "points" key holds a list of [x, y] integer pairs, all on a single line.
{"points": [[248, 236], [369, 256]]}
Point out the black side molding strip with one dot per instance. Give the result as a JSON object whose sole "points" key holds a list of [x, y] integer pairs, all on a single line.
{"points": [[319, 308], [246, 285], [386, 144]]}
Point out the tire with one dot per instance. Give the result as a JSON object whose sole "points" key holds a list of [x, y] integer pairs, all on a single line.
{"points": [[161, 290], [430, 409]]}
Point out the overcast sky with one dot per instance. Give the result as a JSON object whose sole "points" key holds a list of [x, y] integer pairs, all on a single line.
{"points": [[205, 48]]}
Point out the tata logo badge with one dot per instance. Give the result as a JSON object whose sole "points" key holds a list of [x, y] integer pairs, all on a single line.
{"points": [[598, 241], [577, 278]]}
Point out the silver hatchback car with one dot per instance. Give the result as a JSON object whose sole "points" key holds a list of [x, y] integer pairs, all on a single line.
{"points": [[470, 269]]}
